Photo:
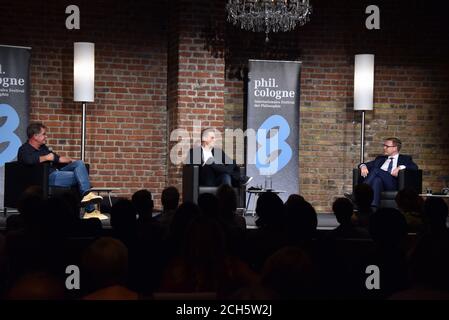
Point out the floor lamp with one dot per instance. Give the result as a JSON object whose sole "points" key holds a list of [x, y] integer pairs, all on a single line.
{"points": [[83, 81], [363, 91]]}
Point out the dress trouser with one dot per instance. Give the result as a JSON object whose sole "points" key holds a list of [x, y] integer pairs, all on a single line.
{"points": [[380, 180]]}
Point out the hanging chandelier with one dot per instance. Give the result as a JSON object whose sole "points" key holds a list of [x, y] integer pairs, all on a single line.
{"points": [[268, 15]]}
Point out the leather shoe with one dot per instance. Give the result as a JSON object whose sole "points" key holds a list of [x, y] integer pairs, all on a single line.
{"points": [[95, 214], [349, 196], [91, 198]]}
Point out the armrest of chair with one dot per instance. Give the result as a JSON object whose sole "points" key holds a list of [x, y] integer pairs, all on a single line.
{"points": [[406, 179], [410, 179], [356, 177], [242, 189], [19, 176], [190, 182]]}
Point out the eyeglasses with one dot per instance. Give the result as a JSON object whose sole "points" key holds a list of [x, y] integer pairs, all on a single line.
{"points": [[387, 146]]}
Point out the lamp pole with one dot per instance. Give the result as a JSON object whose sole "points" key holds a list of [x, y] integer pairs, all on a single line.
{"points": [[362, 138], [363, 92], [83, 82], [83, 132]]}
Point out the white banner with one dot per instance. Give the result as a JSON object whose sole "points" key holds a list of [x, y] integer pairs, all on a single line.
{"points": [[273, 114]]}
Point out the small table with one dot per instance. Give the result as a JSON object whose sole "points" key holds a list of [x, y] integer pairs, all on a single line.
{"points": [[431, 195], [107, 190], [256, 193]]}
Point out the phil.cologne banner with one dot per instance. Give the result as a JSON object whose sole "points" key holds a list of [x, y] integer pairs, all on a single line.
{"points": [[273, 117], [14, 104]]}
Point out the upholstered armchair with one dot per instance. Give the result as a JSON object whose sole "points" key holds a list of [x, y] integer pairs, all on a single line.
{"points": [[19, 177], [406, 179], [191, 188]]}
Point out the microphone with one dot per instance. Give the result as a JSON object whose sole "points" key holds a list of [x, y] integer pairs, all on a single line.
{"points": [[51, 151]]}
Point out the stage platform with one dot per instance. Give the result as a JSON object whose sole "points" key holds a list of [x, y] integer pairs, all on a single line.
{"points": [[325, 221]]}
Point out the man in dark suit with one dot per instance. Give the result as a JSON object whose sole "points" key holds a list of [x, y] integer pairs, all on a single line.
{"points": [[216, 168], [382, 173]]}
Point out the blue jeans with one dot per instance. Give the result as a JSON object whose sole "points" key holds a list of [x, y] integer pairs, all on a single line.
{"points": [[73, 174]]}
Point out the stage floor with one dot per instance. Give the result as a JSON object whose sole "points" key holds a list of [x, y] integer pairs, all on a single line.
{"points": [[325, 221]]}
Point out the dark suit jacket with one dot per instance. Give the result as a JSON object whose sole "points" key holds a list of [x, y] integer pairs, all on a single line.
{"points": [[402, 160], [220, 165]]}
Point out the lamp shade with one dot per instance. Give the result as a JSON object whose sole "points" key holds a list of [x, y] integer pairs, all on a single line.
{"points": [[83, 71], [363, 82]]}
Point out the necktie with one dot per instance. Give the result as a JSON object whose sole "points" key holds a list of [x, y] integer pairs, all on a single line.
{"points": [[390, 165]]}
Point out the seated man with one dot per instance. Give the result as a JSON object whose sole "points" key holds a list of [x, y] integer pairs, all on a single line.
{"points": [[382, 173], [216, 168], [74, 173]]}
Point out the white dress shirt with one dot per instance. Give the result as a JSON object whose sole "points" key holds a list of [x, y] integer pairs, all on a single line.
{"points": [[395, 163], [207, 153]]}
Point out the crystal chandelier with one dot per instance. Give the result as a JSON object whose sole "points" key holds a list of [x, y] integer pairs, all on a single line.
{"points": [[268, 15]]}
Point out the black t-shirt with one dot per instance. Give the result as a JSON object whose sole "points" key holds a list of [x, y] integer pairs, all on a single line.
{"points": [[29, 155]]}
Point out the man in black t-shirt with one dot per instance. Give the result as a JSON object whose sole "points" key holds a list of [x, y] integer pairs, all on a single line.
{"points": [[73, 173]]}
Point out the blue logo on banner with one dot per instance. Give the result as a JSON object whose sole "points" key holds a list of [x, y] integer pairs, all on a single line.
{"points": [[274, 153], [7, 133]]}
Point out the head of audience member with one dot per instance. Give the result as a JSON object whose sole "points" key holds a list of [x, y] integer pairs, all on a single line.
{"points": [[170, 198], [270, 210], [208, 204], [435, 213], [205, 244], [289, 272], [205, 254], [293, 200], [343, 210], [227, 201], [105, 263], [29, 201], [301, 218], [363, 196], [123, 216], [37, 286], [143, 203], [388, 228], [408, 200], [185, 213]]}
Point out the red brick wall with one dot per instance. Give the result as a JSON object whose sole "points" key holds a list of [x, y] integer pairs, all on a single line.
{"points": [[411, 90], [126, 125], [196, 77]]}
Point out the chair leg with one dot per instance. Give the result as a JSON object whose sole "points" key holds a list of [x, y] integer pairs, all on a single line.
{"points": [[5, 211]]}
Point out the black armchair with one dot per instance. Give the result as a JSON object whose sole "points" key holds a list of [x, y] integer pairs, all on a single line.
{"points": [[406, 179], [191, 188], [19, 177]]}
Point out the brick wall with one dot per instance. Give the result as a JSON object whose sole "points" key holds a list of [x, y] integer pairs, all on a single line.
{"points": [[156, 72], [411, 89], [126, 125], [196, 77]]}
